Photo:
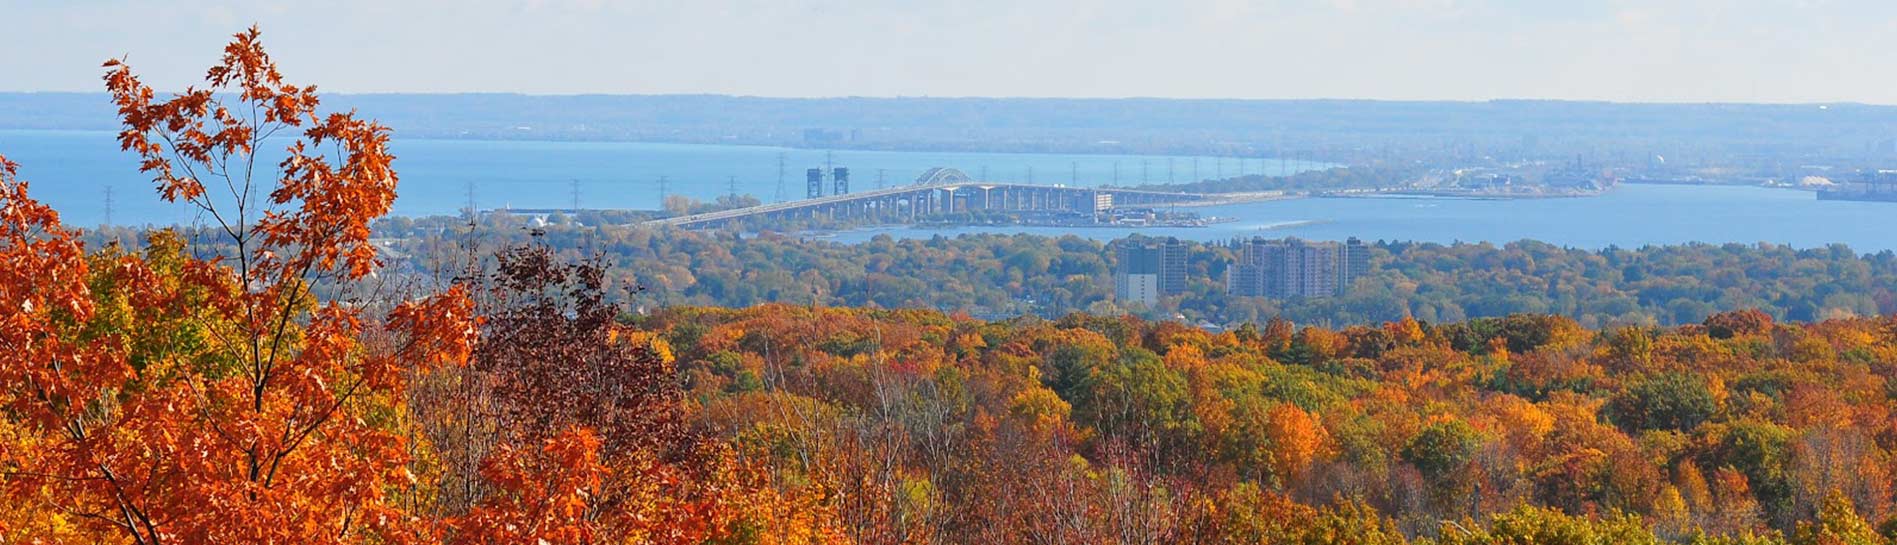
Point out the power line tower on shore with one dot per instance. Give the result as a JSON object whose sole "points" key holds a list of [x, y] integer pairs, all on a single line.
{"points": [[108, 207], [471, 210], [780, 177]]}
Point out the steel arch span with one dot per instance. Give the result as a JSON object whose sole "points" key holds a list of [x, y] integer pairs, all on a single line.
{"points": [[942, 176]]}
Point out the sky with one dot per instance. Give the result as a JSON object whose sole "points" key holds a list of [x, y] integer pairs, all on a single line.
{"points": [[1620, 50]]}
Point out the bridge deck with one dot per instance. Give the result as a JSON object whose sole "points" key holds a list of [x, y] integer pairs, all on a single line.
{"points": [[1050, 197]]}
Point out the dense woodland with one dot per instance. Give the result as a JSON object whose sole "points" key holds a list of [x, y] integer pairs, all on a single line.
{"points": [[282, 379], [1526, 429], [1007, 275]]}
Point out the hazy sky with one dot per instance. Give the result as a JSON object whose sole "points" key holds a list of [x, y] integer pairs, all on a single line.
{"points": [[1624, 50]]}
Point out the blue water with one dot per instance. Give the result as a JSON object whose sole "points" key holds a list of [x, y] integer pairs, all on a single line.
{"points": [[1627, 216], [71, 169]]}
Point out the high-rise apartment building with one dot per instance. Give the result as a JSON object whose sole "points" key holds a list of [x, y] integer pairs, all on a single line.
{"points": [[1147, 271], [1292, 268]]}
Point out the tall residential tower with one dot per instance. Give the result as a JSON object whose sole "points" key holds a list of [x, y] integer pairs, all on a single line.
{"points": [[1293, 268], [1149, 270]]}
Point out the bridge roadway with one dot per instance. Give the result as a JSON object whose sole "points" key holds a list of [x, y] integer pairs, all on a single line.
{"points": [[939, 191]]}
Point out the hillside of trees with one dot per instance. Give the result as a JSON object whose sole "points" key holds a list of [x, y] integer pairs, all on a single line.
{"points": [[1524, 429]]}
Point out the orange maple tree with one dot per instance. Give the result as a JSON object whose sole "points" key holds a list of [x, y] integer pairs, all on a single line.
{"points": [[167, 398]]}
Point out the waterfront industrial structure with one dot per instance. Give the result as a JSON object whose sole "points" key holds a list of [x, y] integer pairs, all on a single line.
{"points": [[1293, 268], [939, 191], [1145, 271], [1875, 185]]}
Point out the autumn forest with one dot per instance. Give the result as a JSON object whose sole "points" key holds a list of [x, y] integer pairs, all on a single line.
{"points": [[277, 377]]}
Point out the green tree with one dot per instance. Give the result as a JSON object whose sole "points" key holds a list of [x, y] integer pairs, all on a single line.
{"points": [[1671, 401]]}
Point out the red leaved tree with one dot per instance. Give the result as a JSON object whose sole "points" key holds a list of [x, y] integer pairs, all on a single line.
{"points": [[167, 398]]}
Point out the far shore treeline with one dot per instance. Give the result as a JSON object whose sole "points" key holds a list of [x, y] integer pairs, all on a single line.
{"points": [[1006, 275]]}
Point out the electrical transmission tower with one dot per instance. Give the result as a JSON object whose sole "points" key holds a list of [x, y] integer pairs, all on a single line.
{"points": [[471, 209], [780, 176], [108, 206]]}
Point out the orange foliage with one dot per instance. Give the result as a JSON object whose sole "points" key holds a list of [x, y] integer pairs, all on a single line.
{"points": [[174, 399]]}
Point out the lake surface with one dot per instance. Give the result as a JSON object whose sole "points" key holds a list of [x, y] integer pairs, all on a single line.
{"points": [[1627, 216], [72, 169]]}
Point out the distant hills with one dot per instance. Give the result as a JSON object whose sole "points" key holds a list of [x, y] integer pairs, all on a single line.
{"points": [[1338, 130]]}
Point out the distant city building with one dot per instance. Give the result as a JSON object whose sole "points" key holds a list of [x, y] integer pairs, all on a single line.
{"points": [[1150, 270], [1356, 261], [1293, 268]]}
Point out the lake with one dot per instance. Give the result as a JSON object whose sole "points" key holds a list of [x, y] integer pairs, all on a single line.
{"points": [[1627, 216], [71, 169]]}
